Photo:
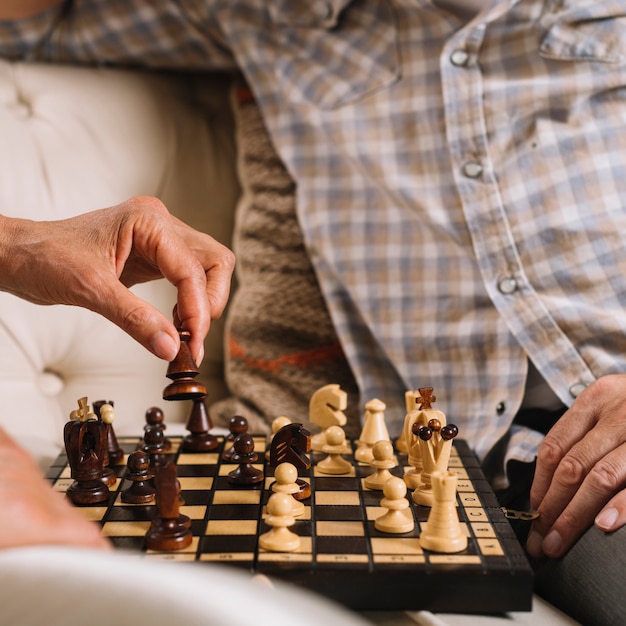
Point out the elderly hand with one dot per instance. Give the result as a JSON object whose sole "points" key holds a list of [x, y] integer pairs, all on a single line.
{"points": [[31, 512], [581, 470], [90, 260]]}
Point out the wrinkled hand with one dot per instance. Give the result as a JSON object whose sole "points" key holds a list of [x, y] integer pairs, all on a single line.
{"points": [[581, 470], [91, 260], [31, 512]]}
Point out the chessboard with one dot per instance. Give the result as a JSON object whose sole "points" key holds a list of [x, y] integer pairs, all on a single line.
{"points": [[341, 554]]}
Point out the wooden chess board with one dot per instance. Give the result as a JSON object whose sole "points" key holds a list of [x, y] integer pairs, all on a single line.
{"points": [[341, 555]]}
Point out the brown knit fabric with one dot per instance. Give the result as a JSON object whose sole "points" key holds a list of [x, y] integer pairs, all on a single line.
{"points": [[280, 342]]}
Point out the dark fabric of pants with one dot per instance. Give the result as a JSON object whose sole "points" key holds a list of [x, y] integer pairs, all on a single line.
{"points": [[588, 583]]}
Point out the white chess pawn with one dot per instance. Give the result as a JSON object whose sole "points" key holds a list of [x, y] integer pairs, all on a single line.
{"points": [[383, 461], [334, 447], [286, 476], [396, 519], [374, 429], [279, 538], [443, 531]]}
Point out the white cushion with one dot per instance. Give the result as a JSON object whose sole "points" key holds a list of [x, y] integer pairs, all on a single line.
{"points": [[78, 139]]}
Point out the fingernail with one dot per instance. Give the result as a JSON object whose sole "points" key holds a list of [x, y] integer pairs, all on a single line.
{"points": [[533, 544], [200, 356], [164, 346], [606, 519], [552, 544]]}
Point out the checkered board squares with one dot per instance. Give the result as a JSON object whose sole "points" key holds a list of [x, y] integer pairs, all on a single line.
{"points": [[341, 554]]}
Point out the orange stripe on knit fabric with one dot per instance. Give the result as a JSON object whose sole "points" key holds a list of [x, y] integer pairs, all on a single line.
{"points": [[303, 359]]}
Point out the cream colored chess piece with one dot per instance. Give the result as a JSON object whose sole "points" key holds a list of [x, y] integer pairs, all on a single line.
{"points": [[435, 443], [374, 429], [396, 519], [383, 461], [410, 400], [277, 424], [443, 531], [326, 408], [422, 414], [286, 476], [279, 538], [334, 447]]}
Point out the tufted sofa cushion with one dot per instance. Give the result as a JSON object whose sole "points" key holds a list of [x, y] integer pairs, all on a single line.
{"points": [[78, 139]]}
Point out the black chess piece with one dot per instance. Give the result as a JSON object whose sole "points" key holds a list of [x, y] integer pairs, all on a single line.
{"points": [[114, 450], [199, 424], [246, 473], [85, 444], [154, 444], [237, 425], [170, 529], [138, 472], [155, 417], [182, 372]]}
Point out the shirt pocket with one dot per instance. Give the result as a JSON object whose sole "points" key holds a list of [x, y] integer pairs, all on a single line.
{"points": [[331, 54], [584, 30]]}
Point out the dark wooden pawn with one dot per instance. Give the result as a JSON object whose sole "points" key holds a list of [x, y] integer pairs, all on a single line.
{"points": [[155, 417], [199, 424], [114, 450], [153, 444], [246, 473], [237, 425], [138, 472]]}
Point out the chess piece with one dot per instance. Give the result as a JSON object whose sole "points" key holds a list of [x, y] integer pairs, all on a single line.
{"points": [[435, 443], [199, 424], [237, 425], [170, 529], [277, 424], [85, 444], [155, 417], [106, 415], [334, 447], [411, 406], [443, 531], [396, 519], [246, 473], [291, 444], [383, 460], [286, 476], [115, 452], [422, 415], [374, 429], [326, 408], [182, 372], [279, 518], [138, 472], [154, 444]]}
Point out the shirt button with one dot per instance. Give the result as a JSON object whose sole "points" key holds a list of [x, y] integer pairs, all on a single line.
{"points": [[576, 389], [50, 383], [500, 408], [507, 285], [459, 57], [472, 169]]}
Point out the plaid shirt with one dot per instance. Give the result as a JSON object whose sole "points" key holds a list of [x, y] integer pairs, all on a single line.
{"points": [[461, 187]]}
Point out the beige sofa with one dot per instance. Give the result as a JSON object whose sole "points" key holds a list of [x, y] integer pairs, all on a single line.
{"points": [[74, 140]]}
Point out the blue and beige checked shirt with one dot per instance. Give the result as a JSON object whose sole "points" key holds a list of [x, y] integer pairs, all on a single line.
{"points": [[461, 186]]}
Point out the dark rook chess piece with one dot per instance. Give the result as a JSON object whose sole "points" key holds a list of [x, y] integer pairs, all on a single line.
{"points": [[182, 372], [169, 530]]}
